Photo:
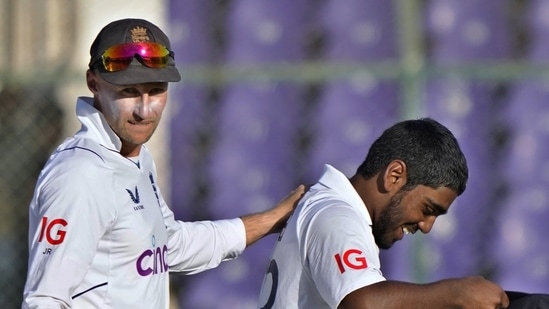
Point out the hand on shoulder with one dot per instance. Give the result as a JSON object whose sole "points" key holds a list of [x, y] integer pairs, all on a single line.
{"points": [[273, 220]]}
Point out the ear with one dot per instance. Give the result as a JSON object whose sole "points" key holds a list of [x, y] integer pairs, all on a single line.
{"points": [[91, 80], [395, 175]]}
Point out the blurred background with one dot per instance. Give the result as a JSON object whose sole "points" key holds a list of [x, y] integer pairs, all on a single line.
{"points": [[272, 90]]}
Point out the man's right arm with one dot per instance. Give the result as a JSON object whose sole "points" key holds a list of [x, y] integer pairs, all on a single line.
{"points": [[68, 215], [464, 293]]}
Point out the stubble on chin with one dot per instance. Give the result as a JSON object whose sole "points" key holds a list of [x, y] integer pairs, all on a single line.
{"points": [[388, 223]]}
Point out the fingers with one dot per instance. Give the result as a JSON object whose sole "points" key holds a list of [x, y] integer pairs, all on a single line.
{"points": [[485, 294], [504, 300], [296, 194], [289, 203], [300, 189]]}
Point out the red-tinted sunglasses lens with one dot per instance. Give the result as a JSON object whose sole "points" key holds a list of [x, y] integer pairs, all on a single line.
{"points": [[119, 57]]}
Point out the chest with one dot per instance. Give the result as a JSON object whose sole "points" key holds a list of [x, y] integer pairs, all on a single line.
{"points": [[139, 224]]}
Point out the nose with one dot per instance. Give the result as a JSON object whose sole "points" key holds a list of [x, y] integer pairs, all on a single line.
{"points": [[426, 225], [143, 108]]}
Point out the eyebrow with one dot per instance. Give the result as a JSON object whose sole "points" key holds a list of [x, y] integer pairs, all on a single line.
{"points": [[439, 209]]}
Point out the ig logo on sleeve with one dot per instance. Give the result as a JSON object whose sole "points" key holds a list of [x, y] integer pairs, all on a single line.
{"points": [[52, 230], [352, 259]]}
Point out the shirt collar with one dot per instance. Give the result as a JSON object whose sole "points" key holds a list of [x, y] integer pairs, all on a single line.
{"points": [[95, 126], [338, 182]]}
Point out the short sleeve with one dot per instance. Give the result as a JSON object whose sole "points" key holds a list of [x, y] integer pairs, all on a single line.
{"points": [[341, 253]]}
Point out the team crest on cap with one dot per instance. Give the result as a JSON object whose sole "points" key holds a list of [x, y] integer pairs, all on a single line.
{"points": [[139, 34]]}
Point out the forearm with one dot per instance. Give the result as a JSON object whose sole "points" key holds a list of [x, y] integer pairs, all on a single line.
{"points": [[261, 224], [220, 240], [394, 294], [469, 292]]}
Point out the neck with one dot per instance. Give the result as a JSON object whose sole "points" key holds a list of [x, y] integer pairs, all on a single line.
{"points": [[130, 150], [366, 189]]}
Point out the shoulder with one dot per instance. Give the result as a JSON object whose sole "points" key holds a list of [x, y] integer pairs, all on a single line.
{"points": [[328, 212], [82, 149], [326, 203], [76, 162], [75, 176]]}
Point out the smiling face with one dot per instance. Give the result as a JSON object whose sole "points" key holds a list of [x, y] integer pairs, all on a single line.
{"points": [[132, 111], [410, 211]]}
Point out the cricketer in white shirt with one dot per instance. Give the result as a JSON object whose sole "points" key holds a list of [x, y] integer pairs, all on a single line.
{"points": [[102, 236], [326, 251]]}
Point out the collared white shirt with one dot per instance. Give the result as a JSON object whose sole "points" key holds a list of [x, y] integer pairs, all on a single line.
{"points": [[101, 234], [326, 251]]}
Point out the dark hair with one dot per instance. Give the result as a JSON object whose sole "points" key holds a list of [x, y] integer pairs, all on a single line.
{"points": [[431, 153]]}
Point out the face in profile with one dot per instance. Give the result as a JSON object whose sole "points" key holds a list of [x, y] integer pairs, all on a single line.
{"points": [[410, 211]]}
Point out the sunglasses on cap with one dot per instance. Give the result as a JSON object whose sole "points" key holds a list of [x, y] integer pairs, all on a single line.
{"points": [[119, 57]]}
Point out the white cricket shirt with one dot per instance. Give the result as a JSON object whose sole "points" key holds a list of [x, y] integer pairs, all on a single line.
{"points": [[102, 236], [326, 251]]}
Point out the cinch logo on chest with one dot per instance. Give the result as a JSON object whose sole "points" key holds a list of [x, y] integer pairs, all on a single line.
{"points": [[153, 261], [135, 198]]}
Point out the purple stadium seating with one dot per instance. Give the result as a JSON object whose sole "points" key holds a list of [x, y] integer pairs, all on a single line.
{"points": [[253, 149], [351, 112], [358, 29], [250, 168], [525, 117], [537, 26], [519, 251], [191, 25], [190, 28], [264, 30], [520, 247], [349, 116], [468, 30], [189, 121]]}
